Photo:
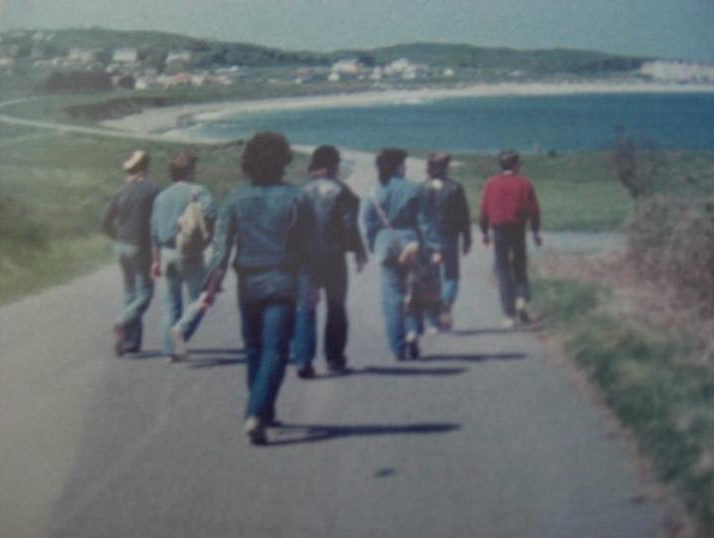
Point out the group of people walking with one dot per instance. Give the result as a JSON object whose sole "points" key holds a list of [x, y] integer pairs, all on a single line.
{"points": [[291, 243]]}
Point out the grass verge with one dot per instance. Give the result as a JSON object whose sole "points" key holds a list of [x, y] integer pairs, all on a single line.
{"points": [[654, 385], [54, 187]]}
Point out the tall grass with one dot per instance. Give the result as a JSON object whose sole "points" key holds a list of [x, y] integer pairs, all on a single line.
{"points": [[55, 188]]}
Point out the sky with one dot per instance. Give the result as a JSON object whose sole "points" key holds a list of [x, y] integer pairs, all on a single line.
{"points": [[676, 29]]}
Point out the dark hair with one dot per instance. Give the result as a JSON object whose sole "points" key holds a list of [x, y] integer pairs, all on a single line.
{"points": [[182, 165], [324, 157], [265, 157], [509, 159], [437, 163], [388, 162]]}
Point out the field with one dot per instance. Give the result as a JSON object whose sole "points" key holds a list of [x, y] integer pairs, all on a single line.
{"points": [[580, 191], [54, 189]]}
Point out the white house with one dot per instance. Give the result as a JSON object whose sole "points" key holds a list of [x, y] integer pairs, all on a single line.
{"points": [[349, 67], [125, 56], [179, 56], [677, 71]]}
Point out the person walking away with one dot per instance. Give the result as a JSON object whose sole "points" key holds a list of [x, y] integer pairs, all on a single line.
{"points": [[396, 230], [271, 223], [126, 221], [446, 205], [335, 209], [177, 259], [508, 203]]}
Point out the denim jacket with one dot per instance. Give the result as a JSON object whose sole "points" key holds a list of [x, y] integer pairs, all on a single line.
{"points": [[270, 226], [402, 201], [168, 207]]}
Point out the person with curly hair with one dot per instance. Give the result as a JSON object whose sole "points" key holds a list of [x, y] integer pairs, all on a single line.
{"points": [[270, 223]]}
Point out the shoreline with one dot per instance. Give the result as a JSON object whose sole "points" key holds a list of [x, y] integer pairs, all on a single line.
{"points": [[166, 119]]}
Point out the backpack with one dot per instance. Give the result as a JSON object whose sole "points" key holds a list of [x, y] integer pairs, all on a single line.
{"points": [[193, 235]]}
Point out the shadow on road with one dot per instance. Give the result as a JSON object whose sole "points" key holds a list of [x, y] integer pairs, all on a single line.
{"points": [[534, 326], [393, 371], [290, 434], [475, 357]]}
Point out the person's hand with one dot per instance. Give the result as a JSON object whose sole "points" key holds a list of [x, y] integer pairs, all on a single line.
{"points": [[537, 240], [436, 258], [155, 270], [467, 248], [486, 240], [206, 299]]}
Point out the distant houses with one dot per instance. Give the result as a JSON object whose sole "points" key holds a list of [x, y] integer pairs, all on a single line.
{"points": [[668, 71]]}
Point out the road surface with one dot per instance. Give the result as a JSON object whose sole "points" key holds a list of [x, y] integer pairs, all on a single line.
{"points": [[484, 436]]}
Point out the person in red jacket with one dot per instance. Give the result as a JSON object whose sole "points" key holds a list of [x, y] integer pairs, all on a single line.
{"points": [[508, 203]]}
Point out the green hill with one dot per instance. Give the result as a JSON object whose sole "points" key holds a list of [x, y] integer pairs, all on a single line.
{"points": [[205, 52]]}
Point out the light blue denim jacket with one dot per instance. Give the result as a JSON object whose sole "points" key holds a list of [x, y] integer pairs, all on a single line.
{"points": [[170, 204], [403, 203], [270, 226]]}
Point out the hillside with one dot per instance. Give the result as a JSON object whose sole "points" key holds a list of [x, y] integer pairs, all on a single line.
{"points": [[206, 52]]}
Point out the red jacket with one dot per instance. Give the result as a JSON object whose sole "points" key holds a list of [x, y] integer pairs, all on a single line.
{"points": [[508, 199]]}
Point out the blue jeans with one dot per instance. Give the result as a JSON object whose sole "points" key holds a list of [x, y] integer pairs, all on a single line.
{"points": [[267, 327], [178, 271], [509, 243], [330, 275], [135, 264], [398, 321], [449, 280]]}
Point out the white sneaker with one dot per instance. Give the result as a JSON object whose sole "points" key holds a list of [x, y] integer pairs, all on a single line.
{"points": [[180, 345], [411, 336], [522, 310], [509, 323], [255, 430], [432, 330]]}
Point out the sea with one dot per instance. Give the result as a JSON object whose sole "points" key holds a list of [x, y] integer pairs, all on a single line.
{"points": [[486, 124]]}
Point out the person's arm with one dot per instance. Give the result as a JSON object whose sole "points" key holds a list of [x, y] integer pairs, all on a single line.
{"points": [[534, 214], [484, 218], [155, 246], [352, 238], [108, 222], [464, 218], [428, 232], [223, 240]]}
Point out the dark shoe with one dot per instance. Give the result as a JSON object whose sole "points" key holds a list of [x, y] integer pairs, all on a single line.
{"points": [[119, 337], [412, 345], [132, 349], [446, 323], [173, 359], [336, 366], [255, 431], [306, 372]]}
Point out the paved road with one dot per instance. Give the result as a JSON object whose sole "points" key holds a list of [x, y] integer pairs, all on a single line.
{"points": [[485, 436]]}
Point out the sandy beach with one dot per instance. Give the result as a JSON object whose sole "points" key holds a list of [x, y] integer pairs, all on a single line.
{"points": [[166, 119]]}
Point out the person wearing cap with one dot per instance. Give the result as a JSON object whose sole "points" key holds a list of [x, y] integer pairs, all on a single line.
{"points": [[508, 204], [126, 221], [336, 210], [446, 206], [177, 268], [393, 216], [270, 223]]}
